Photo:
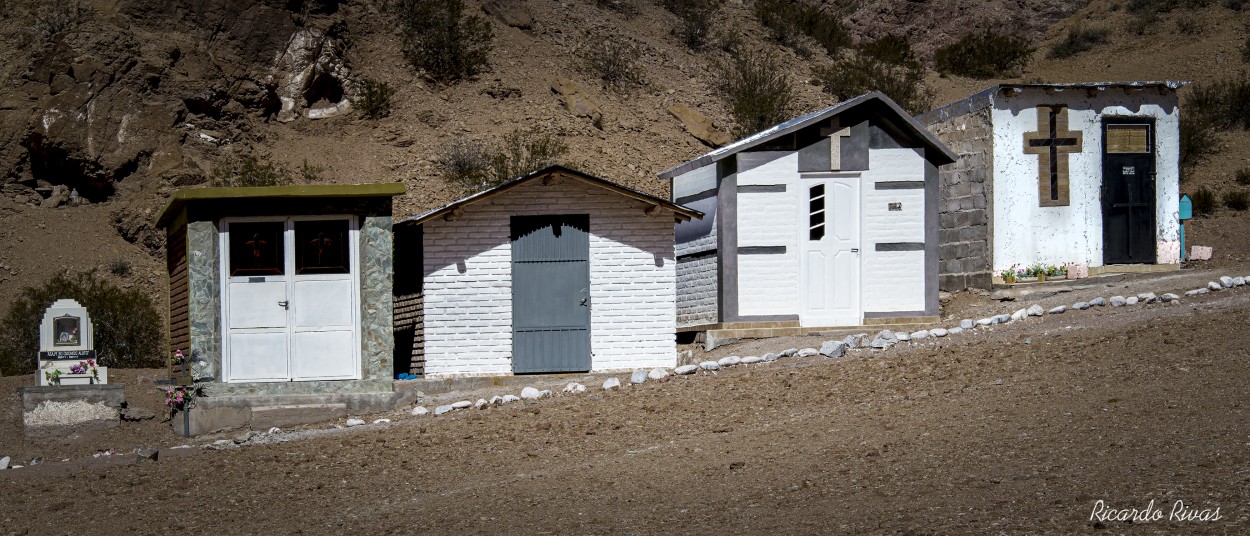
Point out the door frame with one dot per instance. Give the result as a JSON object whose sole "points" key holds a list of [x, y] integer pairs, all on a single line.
{"points": [[288, 250], [589, 295], [1103, 157], [805, 182]]}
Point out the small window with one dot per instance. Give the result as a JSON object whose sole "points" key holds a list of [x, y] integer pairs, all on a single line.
{"points": [[816, 213], [321, 247], [256, 248]]}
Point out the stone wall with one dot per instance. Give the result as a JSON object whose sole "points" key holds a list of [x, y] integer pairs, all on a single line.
{"points": [[697, 291], [204, 282], [965, 191]]}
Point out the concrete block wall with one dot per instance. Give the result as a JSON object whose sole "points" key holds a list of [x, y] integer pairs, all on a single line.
{"points": [[696, 279], [468, 292], [965, 191]]}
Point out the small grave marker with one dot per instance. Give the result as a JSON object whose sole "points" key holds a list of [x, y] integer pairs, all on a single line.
{"points": [[67, 347]]}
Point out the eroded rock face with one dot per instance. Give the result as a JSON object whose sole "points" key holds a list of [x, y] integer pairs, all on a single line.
{"points": [[311, 76], [699, 125]]}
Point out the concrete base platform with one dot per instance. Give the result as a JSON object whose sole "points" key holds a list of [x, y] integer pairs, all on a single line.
{"points": [[47, 409], [716, 335], [217, 414]]}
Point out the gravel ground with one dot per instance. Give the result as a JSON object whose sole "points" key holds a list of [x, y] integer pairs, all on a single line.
{"points": [[1018, 428]]}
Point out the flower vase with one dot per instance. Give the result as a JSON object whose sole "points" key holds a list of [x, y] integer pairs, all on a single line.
{"points": [[1010, 280], [1041, 278]]}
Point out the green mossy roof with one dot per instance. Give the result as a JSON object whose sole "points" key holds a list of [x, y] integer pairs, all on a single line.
{"points": [[187, 196]]}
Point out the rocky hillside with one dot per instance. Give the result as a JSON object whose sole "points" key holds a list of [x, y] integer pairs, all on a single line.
{"points": [[124, 101]]}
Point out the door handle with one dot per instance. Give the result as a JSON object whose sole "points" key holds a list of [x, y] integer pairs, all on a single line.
{"points": [[285, 304], [585, 298], [854, 250]]}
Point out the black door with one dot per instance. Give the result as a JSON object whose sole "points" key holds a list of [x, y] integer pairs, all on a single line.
{"points": [[1128, 192], [551, 293]]}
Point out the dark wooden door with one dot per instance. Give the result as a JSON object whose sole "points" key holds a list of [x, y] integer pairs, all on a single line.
{"points": [[550, 293], [1128, 193]]}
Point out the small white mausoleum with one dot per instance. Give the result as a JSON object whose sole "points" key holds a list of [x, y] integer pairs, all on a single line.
{"points": [[826, 220], [555, 271], [1081, 173]]}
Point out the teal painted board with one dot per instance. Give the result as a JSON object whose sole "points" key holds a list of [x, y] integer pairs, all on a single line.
{"points": [[550, 293], [1187, 208]]}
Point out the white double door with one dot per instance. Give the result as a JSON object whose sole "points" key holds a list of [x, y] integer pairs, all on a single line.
{"points": [[290, 299], [829, 250]]}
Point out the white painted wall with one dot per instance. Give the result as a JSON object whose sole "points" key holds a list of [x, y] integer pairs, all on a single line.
{"points": [[468, 290], [1025, 233], [892, 281], [769, 284]]}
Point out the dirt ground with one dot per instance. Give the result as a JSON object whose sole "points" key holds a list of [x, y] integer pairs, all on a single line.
{"points": [[1013, 429]]}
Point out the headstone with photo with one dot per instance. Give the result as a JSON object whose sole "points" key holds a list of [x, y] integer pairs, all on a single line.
{"points": [[67, 348]]}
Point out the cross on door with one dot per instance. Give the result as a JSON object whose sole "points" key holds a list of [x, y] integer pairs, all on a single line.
{"points": [[1052, 142]]}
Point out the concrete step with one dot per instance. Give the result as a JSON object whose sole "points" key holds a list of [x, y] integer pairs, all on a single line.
{"points": [[265, 417], [720, 337]]}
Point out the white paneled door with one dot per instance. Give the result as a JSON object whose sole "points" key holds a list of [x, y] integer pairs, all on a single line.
{"points": [[829, 260], [290, 303]]}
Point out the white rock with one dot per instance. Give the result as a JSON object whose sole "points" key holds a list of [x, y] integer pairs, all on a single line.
{"points": [[1146, 297], [355, 422], [955, 330], [274, 430], [657, 374], [509, 398], [496, 400], [529, 393], [709, 365], [967, 323], [985, 321], [1118, 301], [611, 383], [903, 336], [941, 332], [1098, 302], [639, 376], [834, 348], [1214, 286], [1196, 292], [381, 421], [884, 340], [1239, 281], [1003, 318], [751, 360], [443, 409], [789, 352], [1036, 310], [1131, 300], [1169, 297], [685, 370], [1080, 306], [1019, 315], [771, 356], [808, 352], [1226, 281], [1057, 310], [729, 361], [461, 404], [545, 393], [4, 463], [420, 410], [574, 388], [919, 335], [481, 403]]}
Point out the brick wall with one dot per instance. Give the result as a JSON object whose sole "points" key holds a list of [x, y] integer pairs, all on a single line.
{"points": [[696, 279], [467, 288], [965, 189]]}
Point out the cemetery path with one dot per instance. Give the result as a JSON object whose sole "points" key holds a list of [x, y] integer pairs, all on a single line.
{"points": [[1018, 428]]}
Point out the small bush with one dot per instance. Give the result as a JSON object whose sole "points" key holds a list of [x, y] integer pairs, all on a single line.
{"points": [[310, 173], [628, 8], [54, 18], [694, 18], [757, 90], [888, 65], [1204, 201], [1237, 200], [1144, 23], [730, 40], [472, 168], [127, 328], [1188, 26], [614, 61], [441, 41], [374, 98], [1079, 40], [1242, 177], [787, 20], [1225, 104], [984, 54], [119, 267], [250, 171], [1198, 141]]}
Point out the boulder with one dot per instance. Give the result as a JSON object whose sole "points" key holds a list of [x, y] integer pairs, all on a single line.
{"points": [[1057, 310], [1036, 310], [1098, 302], [1118, 301], [1239, 281], [1214, 286], [967, 323], [657, 374], [833, 348], [420, 410], [808, 352], [685, 370], [709, 365], [639, 376], [729, 361], [884, 340], [576, 100], [1226, 281], [530, 393], [699, 125], [611, 383]]}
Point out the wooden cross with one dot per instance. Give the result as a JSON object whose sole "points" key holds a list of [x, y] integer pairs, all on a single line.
{"points": [[1052, 142]]}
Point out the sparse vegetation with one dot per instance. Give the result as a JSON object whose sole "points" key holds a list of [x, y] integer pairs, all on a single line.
{"points": [[374, 99], [628, 8], [1225, 104], [757, 90], [888, 65], [1237, 200], [119, 267], [128, 330], [1198, 141], [250, 171], [54, 18], [1204, 201], [694, 20], [1079, 39], [310, 173], [1242, 177], [1188, 26], [443, 42], [984, 54], [469, 166], [788, 20], [614, 61]]}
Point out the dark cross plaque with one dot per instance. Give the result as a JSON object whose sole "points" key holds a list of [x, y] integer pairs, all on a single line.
{"points": [[1052, 142]]}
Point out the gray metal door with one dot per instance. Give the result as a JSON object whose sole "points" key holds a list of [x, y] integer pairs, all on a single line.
{"points": [[550, 293]]}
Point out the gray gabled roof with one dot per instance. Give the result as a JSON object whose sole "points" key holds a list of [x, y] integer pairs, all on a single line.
{"points": [[900, 117], [985, 98], [680, 213]]}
